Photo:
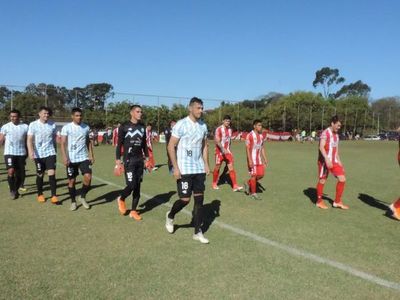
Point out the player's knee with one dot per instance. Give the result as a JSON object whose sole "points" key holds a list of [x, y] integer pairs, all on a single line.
{"points": [[186, 200], [87, 177], [342, 179], [51, 172], [322, 181], [11, 172]]}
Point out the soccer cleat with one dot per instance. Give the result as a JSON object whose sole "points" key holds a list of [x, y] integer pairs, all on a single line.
{"points": [[54, 199], [121, 206], [246, 189], [169, 223], [134, 215], [321, 204], [215, 187], [255, 196], [200, 237], [41, 199], [340, 205], [13, 195], [237, 188], [73, 206], [22, 189], [84, 203], [396, 212]]}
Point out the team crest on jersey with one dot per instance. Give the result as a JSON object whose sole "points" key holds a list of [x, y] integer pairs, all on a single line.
{"points": [[136, 132]]}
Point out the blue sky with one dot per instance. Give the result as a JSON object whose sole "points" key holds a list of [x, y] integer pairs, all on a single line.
{"points": [[213, 49]]}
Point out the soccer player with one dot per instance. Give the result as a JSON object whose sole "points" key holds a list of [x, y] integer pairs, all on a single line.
{"points": [[149, 142], [115, 135], [168, 133], [190, 163], [132, 137], [256, 158], [222, 138], [42, 150], [14, 133], [79, 156], [329, 162], [395, 206]]}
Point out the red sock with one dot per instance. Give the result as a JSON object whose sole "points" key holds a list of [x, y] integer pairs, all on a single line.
{"points": [[253, 185], [339, 191], [320, 191], [232, 175], [215, 176], [396, 204]]}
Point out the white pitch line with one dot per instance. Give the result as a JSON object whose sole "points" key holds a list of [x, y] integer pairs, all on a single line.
{"points": [[291, 250]]}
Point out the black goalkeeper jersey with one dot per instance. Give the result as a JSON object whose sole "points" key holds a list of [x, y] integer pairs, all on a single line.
{"points": [[132, 137]]}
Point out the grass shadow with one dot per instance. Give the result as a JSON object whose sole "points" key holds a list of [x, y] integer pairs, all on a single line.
{"points": [[155, 201], [311, 193], [78, 191], [376, 203], [105, 198], [210, 212]]}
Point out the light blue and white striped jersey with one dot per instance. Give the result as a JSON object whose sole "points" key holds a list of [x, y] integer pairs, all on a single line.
{"points": [[44, 138], [77, 136], [189, 153], [15, 136]]}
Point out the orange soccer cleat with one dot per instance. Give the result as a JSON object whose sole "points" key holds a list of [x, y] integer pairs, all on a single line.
{"points": [[321, 204], [54, 200], [121, 206], [41, 199], [134, 215]]}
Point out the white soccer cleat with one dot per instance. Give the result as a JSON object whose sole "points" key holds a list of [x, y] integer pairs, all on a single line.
{"points": [[200, 237], [237, 188], [73, 206], [169, 223], [84, 203]]}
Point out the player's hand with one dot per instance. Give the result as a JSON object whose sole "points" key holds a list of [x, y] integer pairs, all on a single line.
{"points": [[148, 165], [118, 162], [207, 169], [91, 159], [250, 165], [265, 163], [177, 173], [66, 162], [329, 164], [31, 156]]}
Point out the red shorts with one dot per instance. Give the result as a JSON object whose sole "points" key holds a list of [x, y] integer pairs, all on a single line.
{"points": [[323, 171], [220, 158], [257, 170]]}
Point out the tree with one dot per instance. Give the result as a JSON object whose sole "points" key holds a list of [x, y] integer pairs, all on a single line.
{"points": [[357, 88], [327, 77]]}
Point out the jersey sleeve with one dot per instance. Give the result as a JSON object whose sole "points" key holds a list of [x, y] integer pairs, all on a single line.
{"points": [[249, 139], [177, 131], [3, 130], [64, 131], [323, 135], [31, 129]]}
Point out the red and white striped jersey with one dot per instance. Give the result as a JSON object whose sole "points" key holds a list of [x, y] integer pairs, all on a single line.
{"points": [[331, 145], [149, 139], [225, 135], [255, 143]]}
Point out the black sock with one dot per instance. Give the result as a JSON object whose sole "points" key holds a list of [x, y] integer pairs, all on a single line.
{"points": [[136, 194], [177, 207], [11, 183], [126, 192], [39, 184], [53, 185], [198, 212], [72, 193], [85, 190]]}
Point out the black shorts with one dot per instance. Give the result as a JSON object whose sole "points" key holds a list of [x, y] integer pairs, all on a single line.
{"points": [[191, 183], [46, 163], [133, 170], [15, 161], [73, 168]]}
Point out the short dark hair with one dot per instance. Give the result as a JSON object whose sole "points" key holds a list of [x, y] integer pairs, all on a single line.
{"points": [[75, 109], [46, 108], [149, 124], [15, 111], [135, 106], [195, 100], [256, 121], [170, 122], [335, 119], [227, 117]]}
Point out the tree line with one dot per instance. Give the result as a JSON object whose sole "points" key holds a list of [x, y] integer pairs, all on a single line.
{"points": [[279, 112]]}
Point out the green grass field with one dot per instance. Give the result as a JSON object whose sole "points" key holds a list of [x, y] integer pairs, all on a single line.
{"points": [[47, 251]]}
